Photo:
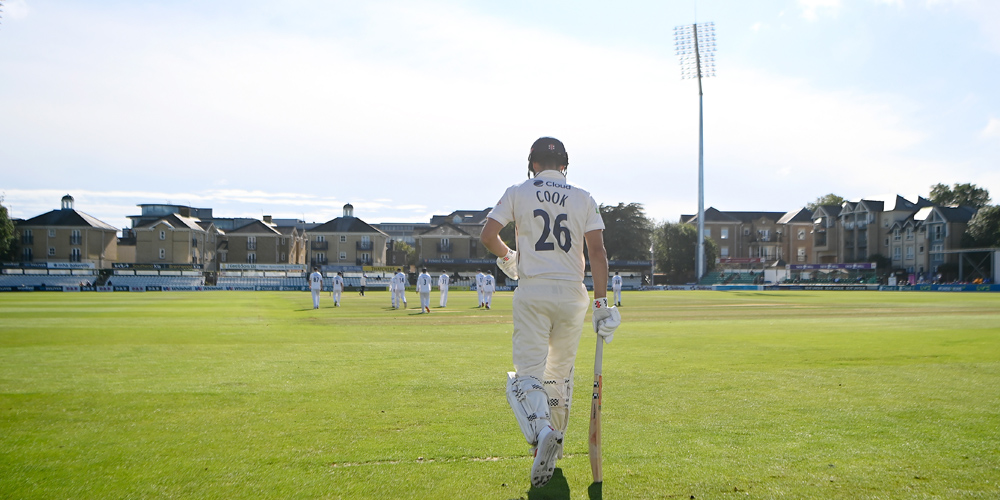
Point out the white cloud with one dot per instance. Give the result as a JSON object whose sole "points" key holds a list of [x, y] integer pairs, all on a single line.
{"points": [[992, 129], [15, 9], [811, 9]]}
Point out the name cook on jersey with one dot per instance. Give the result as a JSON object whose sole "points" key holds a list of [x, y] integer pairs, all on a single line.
{"points": [[551, 196]]}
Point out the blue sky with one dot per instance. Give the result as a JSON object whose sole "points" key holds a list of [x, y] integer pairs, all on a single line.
{"points": [[411, 108]]}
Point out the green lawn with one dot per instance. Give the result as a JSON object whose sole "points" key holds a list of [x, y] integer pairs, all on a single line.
{"points": [[707, 395]]}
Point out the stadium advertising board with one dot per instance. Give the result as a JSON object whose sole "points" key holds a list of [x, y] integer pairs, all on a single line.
{"points": [[262, 267], [850, 266], [156, 267]]}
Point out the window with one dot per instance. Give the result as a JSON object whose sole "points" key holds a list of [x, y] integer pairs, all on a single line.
{"points": [[800, 254], [52, 251], [27, 255], [724, 252], [895, 234], [283, 257], [194, 242], [802, 234], [163, 235], [746, 231], [938, 233], [343, 255], [724, 233], [366, 239], [74, 237], [223, 257], [909, 234], [897, 253], [27, 238], [343, 238], [251, 258], [52, 233], [251, 242], [283, 241], [921, 249], [321, 238], [909, 252], [163, 253], [74, 255]]}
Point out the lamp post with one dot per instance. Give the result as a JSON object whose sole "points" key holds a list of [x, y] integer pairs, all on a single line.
{"points": [[695, 44]]}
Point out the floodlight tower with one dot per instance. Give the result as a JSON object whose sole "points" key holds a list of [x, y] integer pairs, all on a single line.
{"points": [[695, 45]]}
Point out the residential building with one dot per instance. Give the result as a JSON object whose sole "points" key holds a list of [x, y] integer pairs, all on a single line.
{"points": [[346, 241], [68, 235]]}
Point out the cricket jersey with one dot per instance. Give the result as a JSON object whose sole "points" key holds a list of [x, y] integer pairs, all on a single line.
{"points": [[550, 219]]}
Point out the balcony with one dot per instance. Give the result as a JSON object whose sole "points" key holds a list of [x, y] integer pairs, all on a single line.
{"points": [[318, 261], [364, 246], [444, 247], [319, 245], [361, 261]]}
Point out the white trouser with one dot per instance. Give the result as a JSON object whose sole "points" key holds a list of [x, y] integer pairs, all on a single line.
{"points": [[488, 298], [444, 296], [479, 293], [425, 299], [315, 294], [336, 296], [618, 295], [400, 295], [548, 324]]}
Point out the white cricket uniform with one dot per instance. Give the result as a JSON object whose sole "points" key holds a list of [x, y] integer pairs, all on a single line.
{"points": [[489, 286], [424, 289], [315, 286], [338, 289], [550, 303], [616, 286], [392, 291], [479, 288], [400, 289], [364, 282], [443, 281]]}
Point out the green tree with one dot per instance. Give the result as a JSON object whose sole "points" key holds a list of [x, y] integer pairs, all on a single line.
{"points": [[509, 236], [984, 228], [8, 236], [829, 199], [675, 251], [960, 194], [627, 231], [411, 253]]}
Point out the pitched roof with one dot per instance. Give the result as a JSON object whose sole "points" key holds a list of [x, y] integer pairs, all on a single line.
{"points": [[801, 215], [255, 227], [464, 217], [176, 221], [711, 215], [68, 217], [345, 225]]}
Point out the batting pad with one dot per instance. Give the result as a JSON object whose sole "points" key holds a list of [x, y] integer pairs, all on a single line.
{"points": [[528, 399], [560, 394]]}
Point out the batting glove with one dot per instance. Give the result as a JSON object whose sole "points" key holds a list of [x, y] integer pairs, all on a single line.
{"points": [[508, 263], [606, 319]]}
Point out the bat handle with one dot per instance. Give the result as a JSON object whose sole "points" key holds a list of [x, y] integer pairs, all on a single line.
{"points": [[599, 355]]}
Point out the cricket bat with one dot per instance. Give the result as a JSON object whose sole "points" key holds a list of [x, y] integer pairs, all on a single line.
{"points": [[595, 415]]}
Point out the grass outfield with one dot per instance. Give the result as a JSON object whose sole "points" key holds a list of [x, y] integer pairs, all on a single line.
{"points": [[707, 395]]}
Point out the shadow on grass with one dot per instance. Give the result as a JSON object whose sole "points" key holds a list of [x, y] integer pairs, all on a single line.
{"points": [[557, 489]]}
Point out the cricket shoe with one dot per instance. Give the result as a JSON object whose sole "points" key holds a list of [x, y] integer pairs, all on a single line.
{"points": [[549, 441]]}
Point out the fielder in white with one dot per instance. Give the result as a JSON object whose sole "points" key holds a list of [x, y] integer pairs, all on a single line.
{"points": [[479, 287], [552, 221], [392, 292], [616, 286], [489, 286], [315, 286], [443, 281], [338, 288], [400, 288], [424, 289], [364, 282]]}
